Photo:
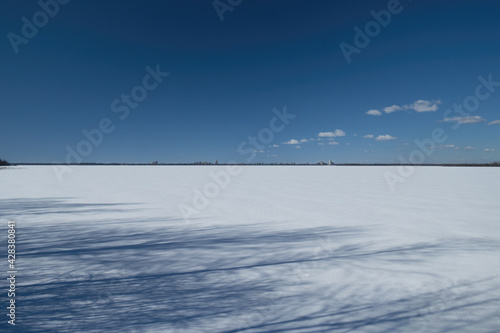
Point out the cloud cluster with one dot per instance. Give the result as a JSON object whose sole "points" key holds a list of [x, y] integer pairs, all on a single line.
{"points": [[384, 137], [494, 122], [420, 105], [423, 106], [333, 134], [322, 136]]}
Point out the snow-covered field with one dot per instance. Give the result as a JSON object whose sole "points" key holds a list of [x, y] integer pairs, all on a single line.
{"points": [[279, 249]]}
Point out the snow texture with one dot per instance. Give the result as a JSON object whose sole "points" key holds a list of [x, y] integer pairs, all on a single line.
{"points": [[279, 249]]}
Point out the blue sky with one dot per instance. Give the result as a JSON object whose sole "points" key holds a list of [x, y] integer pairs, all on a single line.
{"points": [[226, 77]]}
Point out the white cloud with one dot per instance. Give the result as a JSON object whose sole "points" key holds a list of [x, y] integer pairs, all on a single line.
{"points": [[385, 137], [442, 146], [464, 120], [368, 136], [420, 105], [273, 146], [333, 143], [298, 147], [489, 149], [423, 105], [393, 108], [337, 132], [258, 151], [494, 122], [374, 112], [293, 142], [321, 143], [469, 148]]}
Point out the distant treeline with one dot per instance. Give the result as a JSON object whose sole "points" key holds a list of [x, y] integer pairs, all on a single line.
{"points": [[3, 162], [492, 164]]}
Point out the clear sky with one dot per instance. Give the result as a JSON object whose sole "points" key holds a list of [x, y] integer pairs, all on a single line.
{"points": [[82, 65]]}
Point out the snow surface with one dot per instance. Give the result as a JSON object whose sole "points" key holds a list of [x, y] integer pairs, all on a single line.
{"points": [[279, 249]]}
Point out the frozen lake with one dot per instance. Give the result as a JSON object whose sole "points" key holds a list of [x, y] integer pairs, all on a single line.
{"points": [[265, 249]]}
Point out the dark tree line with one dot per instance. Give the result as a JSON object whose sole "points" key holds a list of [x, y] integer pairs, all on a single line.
{"points": [[3, 162]]}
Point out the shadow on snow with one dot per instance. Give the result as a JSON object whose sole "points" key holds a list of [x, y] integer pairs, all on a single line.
{"points": [[104, 277]]}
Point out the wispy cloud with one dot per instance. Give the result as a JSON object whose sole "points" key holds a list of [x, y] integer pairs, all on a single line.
{"points": [[274, 146], [489, 149], [368, 136], [374, 112], [334, 143], [304, 140], [494, 122], [393, 108], [469, 148], [333, 134], [464, 120], [422, 105], [443, 147], [385, 137]]}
